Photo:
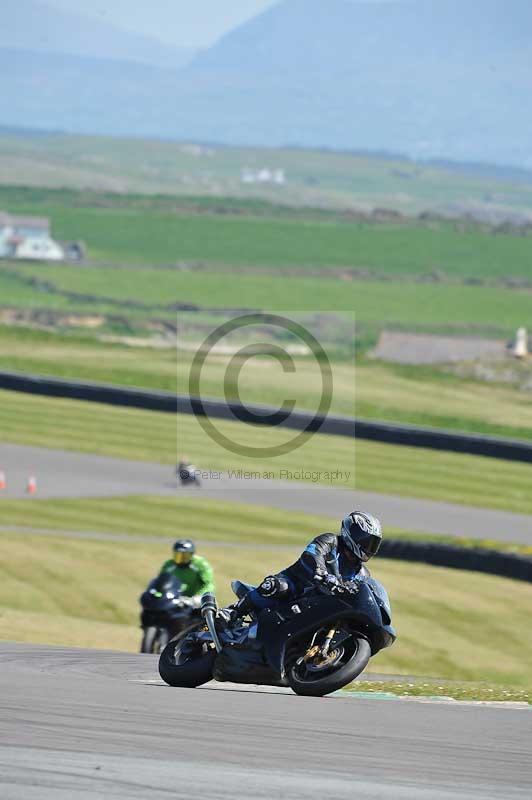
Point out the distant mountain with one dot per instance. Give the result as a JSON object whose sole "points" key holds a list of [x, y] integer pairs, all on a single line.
{"points": [[57, 91], [437, 78], [301, 35], [35, 26], [429, 78]]}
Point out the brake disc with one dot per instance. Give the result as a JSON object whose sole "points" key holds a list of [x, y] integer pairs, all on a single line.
{"points": [[330, 660]]}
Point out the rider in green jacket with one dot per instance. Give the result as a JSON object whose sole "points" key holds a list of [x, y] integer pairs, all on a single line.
{"points": [[194, 572]]}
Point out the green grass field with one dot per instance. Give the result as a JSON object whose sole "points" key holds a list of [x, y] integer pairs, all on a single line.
{"points": [[130, 433], [451, 624], [372, 390], [140, 236], [144, 293], [314, 177]]}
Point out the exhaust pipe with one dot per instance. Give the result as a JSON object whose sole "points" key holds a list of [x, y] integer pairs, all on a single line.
{"points": [[208, 612]]}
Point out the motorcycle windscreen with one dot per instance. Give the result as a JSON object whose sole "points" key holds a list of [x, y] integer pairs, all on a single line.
{"points": [[167, 582]]}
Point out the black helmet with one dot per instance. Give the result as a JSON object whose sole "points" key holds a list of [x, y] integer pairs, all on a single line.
{"points": [[361, 534], [184, 549]]}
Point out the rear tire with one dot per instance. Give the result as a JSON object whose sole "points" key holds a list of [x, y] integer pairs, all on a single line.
{"points": [[194, 671], [318, 687]]}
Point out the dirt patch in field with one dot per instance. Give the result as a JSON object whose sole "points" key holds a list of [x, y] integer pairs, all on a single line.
{"points": [[415, 348]]}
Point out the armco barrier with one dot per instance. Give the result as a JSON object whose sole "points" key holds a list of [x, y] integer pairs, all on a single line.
{"points": [[492, 562], [410, 435], [88, 391]]}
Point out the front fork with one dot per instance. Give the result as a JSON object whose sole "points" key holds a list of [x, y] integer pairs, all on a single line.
{"points": [[327, 643], [315, 651], [209, 608]]}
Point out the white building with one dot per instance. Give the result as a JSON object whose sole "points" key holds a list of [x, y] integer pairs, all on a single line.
{"points": [[28, 238], [263, 175]]}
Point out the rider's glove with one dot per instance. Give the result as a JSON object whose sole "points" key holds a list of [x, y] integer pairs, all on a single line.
{"points": [[352, 586], [335, 585], [328, 580], [189, 602]]}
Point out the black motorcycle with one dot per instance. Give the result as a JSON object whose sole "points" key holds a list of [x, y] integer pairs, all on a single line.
{"points": [[188, 475], [315, 644], [166, 612]]}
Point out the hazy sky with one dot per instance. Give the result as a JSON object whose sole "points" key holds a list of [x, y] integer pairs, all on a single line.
{"points": [[179, 22]]}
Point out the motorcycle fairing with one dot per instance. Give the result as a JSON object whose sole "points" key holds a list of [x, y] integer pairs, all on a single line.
{"points": [[157, 609], [245, 663], [383, 601], [240, 588], [277, 626]]}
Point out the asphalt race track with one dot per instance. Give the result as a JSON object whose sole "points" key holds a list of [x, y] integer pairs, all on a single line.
{"points": [[67, 474], [91, 724]]}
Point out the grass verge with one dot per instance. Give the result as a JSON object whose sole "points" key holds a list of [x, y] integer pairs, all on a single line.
{"points": [[210, 520], [477, 692], [462, 541]]}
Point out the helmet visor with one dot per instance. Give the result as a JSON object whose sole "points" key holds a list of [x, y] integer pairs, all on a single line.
{"points": [[182, 558], [369, 546]]}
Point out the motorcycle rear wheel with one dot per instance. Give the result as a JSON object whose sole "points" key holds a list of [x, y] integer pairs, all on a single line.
{"points": [[185, 670], [310, 684]]}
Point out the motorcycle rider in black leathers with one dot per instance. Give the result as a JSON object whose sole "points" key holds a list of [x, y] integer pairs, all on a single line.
{"points": [[329, 559]]}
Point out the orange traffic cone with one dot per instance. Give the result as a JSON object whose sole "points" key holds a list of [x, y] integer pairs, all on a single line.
{"points": [[31, 488], [3, 483]]}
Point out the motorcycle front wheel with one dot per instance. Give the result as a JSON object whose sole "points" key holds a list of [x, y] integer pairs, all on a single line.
{"points": [[154, 640], [344, 665], [186, 663]]}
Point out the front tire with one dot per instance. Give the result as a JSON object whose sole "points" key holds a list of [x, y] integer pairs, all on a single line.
{"points": [[154, 640], [177, 667], [306, 683], [149, 636]]}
